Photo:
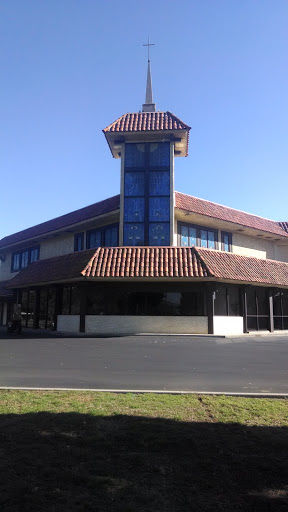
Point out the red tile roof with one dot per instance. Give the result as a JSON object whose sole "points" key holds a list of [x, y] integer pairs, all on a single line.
{"points": [[225, 265], [106, 206], [4, 293], [145, 262], [153, 262], [146, 121], [217, 211], [60, 268]]}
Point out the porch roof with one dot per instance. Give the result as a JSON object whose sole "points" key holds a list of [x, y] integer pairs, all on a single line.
{"points": [[4, 293], [127, 263]]}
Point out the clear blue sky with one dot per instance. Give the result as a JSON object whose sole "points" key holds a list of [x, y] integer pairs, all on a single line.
{"points": [[69, 68]]}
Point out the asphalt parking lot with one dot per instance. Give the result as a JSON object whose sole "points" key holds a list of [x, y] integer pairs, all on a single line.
{"points": [[249, 364]]}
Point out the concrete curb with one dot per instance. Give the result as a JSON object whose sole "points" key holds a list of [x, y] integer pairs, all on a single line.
{"points": [[155, 391]]}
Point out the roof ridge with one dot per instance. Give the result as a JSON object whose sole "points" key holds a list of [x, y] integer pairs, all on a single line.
{"points": [[195, 250], [178, 119]]}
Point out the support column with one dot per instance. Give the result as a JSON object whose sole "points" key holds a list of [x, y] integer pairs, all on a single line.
{"points": [[83, 302], [244, 310], [57, 310], [271, 314], [36, 309], [210, 308]]}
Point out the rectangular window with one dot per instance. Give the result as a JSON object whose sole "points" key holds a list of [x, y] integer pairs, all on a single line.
{"points": [[199, 236], [107, 236], [16, 262], [22, 259], [94, 239], [79, 242], [111, 236], [226, 239], [34, 254]]}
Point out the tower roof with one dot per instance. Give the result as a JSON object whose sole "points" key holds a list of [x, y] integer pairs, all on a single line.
{"points": [[142, 123]]}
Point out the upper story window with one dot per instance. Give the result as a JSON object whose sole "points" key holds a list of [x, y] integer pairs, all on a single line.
{"points": [[22, 259], [107, 236], [79, 242], [190, 235], [226, 239]]}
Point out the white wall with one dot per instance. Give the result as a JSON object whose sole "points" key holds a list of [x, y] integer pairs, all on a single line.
{"points": [[68, 323], [228, 325], [110, 324]]}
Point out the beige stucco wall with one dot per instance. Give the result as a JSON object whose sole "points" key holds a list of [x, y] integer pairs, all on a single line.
{"points": [[253, 246], [57, 246], [5, 269], [101, 324], [68, 323], [281, 253], [228, 325]]}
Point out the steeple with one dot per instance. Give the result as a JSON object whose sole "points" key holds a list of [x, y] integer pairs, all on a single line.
{"points": [[149, 106]]}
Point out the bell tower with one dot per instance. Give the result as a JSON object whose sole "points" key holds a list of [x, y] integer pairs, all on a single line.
{"points": [[147, 143]]}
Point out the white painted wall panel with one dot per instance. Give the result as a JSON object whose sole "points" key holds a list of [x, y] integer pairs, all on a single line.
{"points": [[228, 325]]}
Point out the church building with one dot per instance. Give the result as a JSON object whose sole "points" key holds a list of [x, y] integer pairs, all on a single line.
{"points": [[149, 260]]}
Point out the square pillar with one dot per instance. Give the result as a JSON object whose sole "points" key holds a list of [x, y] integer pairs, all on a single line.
{"points": [[210, 297]]}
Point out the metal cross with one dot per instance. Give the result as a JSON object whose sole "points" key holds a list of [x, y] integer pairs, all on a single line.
{"points": [[148, 44]]}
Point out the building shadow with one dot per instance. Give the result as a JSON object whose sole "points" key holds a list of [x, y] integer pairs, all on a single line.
{"points": [[79, 462]]}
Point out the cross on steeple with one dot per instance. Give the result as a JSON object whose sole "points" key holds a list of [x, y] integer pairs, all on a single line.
{"points": [[149, 106], [148, 45]]}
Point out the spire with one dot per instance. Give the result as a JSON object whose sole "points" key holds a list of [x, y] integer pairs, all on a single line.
{"points": [[149, 106]]}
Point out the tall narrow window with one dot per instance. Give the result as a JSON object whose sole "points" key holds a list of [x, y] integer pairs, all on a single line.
{"points": [[79, 242], [226, 239], [147, 194]]}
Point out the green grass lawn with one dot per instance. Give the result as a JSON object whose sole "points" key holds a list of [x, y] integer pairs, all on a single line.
{"points": [[82, 451]]}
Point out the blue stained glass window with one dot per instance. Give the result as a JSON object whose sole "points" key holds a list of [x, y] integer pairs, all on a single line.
{"points": [[159, 209], [192, 236], [160, 154], [159, 183], [159, 233], [211, 240], [134, 183], [134, 234], [184, 236], [94, 239], [134, 209], [111, 237], [135, 155], [204, 242]]}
